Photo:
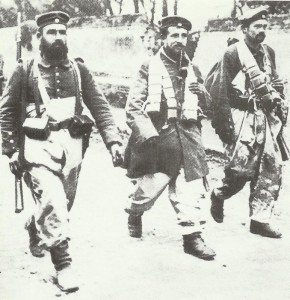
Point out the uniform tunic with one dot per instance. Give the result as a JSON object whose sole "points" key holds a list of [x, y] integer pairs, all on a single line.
{"points": [[178, 144], [176, 160], [252, 133], [53, 165]]}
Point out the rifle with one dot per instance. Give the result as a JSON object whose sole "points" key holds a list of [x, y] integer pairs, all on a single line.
{"points": [[19, 201]]}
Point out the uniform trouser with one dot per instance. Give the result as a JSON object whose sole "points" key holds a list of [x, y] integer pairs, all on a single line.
{"points": [[53, 195], [52, 176], [185, 197], [264, 178]]}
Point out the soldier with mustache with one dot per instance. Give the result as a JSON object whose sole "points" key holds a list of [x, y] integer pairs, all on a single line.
{"points": [[249, 113], [164, 110], [49, 94]]}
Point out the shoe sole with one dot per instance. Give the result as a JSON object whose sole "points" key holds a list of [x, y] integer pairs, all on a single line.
{"points": [[69, 290], [37, 255], [266, 235], [136, 236], [208, 257]]}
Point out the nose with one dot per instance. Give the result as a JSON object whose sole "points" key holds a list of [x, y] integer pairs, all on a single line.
{"points": [[180, 39]]}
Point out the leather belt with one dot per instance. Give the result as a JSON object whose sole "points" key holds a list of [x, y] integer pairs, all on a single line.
{"points": [[56, 126]]}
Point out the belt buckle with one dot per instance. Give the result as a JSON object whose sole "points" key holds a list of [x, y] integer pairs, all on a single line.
{"points": [[55, 126]]}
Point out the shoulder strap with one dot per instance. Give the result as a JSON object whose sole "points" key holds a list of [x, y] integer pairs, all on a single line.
{"points": [[78, 80]]}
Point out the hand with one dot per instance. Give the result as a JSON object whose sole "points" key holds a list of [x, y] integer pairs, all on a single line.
{"points": [[197, 88], [15, 166], [117, 157]]}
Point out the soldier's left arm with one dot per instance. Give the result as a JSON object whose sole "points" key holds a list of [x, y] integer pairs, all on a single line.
{"points": [[277, 82], [99, 107]]}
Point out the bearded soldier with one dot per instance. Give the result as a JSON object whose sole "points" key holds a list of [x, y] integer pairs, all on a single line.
{"points": [[249, 114], [50, 93], [165, 148]]}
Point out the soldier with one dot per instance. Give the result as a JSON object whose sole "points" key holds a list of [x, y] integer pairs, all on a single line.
{"points": [[165, 148], [53, 90], [248, 115]]}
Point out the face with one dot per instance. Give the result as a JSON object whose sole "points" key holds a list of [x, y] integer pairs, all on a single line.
{"points": [[53, 41], [176, 39], [256, 32]]}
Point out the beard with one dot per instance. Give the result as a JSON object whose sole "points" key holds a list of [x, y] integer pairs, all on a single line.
{"points": [[55, 51], [260, 37]]}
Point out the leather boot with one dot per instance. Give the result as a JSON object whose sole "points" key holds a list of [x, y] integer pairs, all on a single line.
{"points": [[264, 229], [135, 225], [193, 244], [34, 240], [217, 208], [61, 259]]}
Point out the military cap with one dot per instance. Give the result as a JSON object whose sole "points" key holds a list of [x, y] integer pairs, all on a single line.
{"points": [[175, 21], [251, 15], [52, 17]]}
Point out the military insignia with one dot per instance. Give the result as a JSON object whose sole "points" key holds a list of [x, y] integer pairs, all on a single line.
{"points": [[179, 24], [56, 20]]}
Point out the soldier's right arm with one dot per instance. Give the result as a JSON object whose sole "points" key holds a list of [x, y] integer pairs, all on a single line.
{"points": [[226, 70], [137, 118], [10, 112]]}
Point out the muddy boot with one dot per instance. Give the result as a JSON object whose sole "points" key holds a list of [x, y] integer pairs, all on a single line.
{"points": [[34, 240], [62, 264], [193, 244], [135, 225], [217, 208], [264, 229]]}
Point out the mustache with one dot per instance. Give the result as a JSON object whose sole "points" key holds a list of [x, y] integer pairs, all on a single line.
{"points": [[261, 35], [178, 45]]}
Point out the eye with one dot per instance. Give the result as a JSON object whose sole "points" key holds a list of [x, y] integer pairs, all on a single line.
{"points": [[51, 31]]}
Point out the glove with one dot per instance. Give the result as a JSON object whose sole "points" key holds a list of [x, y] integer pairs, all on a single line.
{"points": [[116, 154], [15, 166]]}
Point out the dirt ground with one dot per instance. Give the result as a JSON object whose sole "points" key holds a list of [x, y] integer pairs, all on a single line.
{"points": [[108, 264]]}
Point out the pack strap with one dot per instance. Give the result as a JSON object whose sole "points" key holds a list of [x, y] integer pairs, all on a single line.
{"points": [[40, 90]]}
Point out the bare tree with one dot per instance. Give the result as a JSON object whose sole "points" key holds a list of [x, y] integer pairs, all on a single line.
{"points": [[153, 11], [120, 6], [175, 7], [164, 8], [109, 6], [136, 6]]}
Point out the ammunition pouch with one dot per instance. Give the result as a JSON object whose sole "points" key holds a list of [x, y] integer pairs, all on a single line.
{"points": [[80, 125], [36, 128]]}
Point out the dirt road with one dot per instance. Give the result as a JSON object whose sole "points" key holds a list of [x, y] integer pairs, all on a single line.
{"points": [[111, 265]]}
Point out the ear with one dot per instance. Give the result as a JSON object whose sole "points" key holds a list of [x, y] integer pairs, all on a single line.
{"points": [[38, 35], [244, 29]]}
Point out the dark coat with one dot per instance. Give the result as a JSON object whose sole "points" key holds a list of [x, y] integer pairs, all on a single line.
{"points": [[176, 145], [59, 82], [219, 85]]}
